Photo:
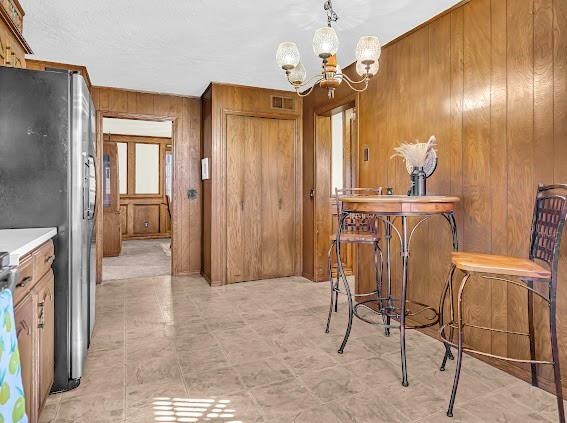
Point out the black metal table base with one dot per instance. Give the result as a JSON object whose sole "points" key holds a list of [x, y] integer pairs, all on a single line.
{"points": [[385, 304]]}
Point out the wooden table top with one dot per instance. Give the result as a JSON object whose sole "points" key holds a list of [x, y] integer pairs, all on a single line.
{"points": [[400, 204]]}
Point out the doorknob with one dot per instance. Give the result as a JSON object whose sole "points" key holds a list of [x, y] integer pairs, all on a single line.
{"points": [[312, 193]]}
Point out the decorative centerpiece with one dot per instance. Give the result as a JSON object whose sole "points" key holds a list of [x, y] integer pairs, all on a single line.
{"points": [[421, 161]]}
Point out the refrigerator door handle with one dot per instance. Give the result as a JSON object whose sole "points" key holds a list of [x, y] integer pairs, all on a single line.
{"points": [[89, 196]]}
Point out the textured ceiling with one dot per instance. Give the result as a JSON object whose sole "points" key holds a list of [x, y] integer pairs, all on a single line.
{"points": [[179, 46]]}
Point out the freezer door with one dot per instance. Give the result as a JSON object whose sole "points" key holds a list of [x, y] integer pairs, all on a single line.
{"points": [[92, 230], [82, 165]]}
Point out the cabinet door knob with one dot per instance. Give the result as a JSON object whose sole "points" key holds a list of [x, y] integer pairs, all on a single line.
{"points": [[49, 259], [24, 282]]}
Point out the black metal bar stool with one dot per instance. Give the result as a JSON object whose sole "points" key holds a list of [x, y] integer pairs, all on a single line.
{"points": [[356, 229], [550, 213]]}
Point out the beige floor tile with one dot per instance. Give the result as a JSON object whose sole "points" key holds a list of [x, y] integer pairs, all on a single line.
{"points": [[201, 360], [498, 407], [376, 371], [246, 350], [49, 412], [173, 348], [321, 414], [263, 372], [333, 383], [153, 369], [190, 343], [107, 379], [143, 349], [280, 398], [102, 359], [308, 359], [221, 381], [461, 416], [368, 407], [416, 400], [535, 398], [102, 407], [144, 396]]}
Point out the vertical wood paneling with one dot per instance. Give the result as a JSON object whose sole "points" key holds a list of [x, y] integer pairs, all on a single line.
{"points": [[499, 167], [186, 114], [476, 158], [522, 183], [252, 102], [500, 100], [543, 146], [560, 151]]}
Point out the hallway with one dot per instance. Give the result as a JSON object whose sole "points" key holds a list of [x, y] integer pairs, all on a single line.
{"points": [[139, 258]]}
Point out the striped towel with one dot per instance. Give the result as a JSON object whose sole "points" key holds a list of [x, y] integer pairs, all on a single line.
{"points": [[12, 402]]}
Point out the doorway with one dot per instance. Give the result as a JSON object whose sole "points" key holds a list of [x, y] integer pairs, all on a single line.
{"points": [[336, 148], [137, 191]]}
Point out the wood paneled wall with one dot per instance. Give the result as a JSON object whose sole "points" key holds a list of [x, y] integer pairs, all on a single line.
{"points": [[220, 100], [186, 213], [489, 79]]}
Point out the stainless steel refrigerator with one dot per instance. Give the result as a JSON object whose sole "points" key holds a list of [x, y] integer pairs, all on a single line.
{"points": [[47, 178]]}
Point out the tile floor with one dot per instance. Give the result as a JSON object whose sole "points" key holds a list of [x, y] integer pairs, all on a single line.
{"points": [[139, 258], [174, 350]]}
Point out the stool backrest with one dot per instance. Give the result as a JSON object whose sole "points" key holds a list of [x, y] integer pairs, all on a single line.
{"points": [[357, 222], [550, 213]]}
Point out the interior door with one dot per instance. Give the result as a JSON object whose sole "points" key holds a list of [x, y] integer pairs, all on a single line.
{"points": [[244, 198], [112, 235], [325, 181], [260, 198], [278, 198]]}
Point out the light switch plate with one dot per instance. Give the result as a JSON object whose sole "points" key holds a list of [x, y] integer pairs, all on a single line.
{"points": [[205, 169]]}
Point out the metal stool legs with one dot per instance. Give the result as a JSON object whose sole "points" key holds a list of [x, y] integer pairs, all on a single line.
{"points": [[334, 284], [447, 289], [459, 345]]}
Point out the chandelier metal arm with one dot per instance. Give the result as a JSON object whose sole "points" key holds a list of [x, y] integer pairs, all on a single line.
{"points": [[317, 78], [306, 93], [358, 90], [364, 80]]}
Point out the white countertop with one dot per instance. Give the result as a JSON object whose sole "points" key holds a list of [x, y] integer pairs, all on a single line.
{"points": [[19, 242]]}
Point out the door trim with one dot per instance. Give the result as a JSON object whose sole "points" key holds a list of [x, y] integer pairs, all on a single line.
{"points": [[345, 103]]}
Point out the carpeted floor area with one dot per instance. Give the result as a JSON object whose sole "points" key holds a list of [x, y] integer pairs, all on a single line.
{"points": [[139, 258]]}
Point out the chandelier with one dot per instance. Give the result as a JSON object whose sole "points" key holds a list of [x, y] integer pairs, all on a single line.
{"points": [[325, 46]]}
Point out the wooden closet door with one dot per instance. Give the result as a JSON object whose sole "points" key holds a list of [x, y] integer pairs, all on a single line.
{"points": [[278, 198], [244, 178], [260, 198]]}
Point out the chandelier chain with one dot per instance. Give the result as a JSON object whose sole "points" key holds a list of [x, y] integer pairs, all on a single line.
{"points": [[331, 14]]}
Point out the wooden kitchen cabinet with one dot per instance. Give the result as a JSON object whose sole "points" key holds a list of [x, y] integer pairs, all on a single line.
{"points": [[35, 326], [13, 46], [43, 296], [25, 330]]}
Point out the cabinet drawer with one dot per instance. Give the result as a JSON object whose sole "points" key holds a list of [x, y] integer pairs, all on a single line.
{"points": [[25, 279], [43, 259]]}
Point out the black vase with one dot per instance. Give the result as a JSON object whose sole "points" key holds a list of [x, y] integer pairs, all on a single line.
{"points": [[418, 182]]}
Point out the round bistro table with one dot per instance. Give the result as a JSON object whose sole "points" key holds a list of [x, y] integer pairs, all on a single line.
{"points": [[389, 208]]}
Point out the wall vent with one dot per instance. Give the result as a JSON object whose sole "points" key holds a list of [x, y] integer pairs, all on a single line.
{"points": [[283, 103]]}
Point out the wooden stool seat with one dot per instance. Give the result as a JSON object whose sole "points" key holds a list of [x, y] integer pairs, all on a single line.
{"points": [[353, 237], [499, 265]]}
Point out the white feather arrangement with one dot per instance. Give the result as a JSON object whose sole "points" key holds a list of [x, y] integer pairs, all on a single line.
{"points": [[415, 154]]}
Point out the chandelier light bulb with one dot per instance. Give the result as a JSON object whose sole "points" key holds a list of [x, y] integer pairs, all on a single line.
{"points": [[361, 68], [368, 50], [325, 42], [298, 74], [287, 55]]}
